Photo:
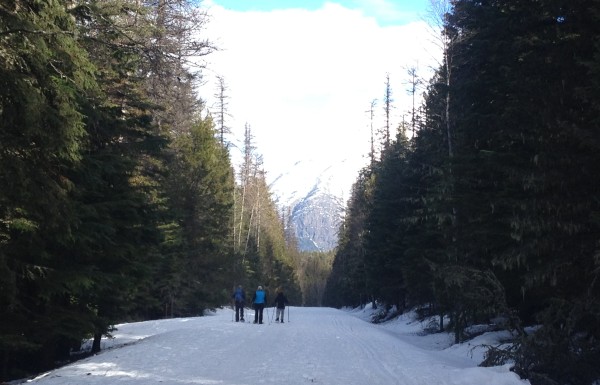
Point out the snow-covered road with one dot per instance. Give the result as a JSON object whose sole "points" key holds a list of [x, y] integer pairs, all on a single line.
{"points": [[319, 345]]}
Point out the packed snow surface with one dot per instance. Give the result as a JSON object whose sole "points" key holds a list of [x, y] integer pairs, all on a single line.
{"points": [[313, 346]]}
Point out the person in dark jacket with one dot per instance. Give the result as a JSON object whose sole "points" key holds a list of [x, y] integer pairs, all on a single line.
{"points": [[239, 298], [259, 300], [280, 302]]}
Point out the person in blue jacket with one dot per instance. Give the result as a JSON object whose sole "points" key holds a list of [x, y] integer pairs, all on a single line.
{"points": [[259, 300], [239, 297]]}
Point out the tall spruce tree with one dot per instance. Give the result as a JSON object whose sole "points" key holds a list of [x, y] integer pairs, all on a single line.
{"points": [[44, 74], [347, 284], [500, 216], [522, 117], [201, 191], [119, 239], [78, 231], [383, 243]]}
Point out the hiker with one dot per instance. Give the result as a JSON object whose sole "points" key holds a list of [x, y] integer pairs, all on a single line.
{"points": [[280, 302], [239, 297], [259, 300]]}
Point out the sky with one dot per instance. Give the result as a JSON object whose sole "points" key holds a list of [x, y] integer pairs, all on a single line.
{"points": [[314, 346], [386, 12], [302, 74]]}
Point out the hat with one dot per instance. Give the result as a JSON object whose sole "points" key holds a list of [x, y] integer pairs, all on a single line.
{"points": [[260, 288]]}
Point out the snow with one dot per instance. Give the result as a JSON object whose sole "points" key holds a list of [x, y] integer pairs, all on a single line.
{"points": [[305, 176], [319, 346]]}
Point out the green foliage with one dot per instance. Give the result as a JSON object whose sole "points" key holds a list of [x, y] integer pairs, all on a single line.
{"points": [[201, 195], [537, 164], [313, 272], [262, 256], [86, 199], [347, 283], [386, 230], [44, 74], [505, 221]]}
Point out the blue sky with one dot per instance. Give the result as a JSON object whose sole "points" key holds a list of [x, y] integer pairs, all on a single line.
{"points": [[387, 12]]}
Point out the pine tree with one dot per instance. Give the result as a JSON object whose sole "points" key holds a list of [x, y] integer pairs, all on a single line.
{"points": [[347, 284], [222, 108], [79, 231], [523, 122], [414, 84], [386, 134], [384, 246], [43, 75], [171, 36], [201, 191], [313, 271]]}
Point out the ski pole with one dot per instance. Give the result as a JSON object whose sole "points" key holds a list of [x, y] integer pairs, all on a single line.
{"points": [[267, 314], [288, 313]]}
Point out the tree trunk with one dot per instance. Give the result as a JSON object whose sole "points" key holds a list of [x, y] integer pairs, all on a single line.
{"points": [[96, 343]]}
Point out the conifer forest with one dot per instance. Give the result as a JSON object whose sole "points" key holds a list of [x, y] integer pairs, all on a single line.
{"points": [[119, 200], [486, 205]]}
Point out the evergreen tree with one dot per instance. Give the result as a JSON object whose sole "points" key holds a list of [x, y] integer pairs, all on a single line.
{"points": [[43, 74], [171, 38], [313, 272], [201, 191], [490, 210], [521, 115], [79, 228], [347, 283], [222, 108], [383, 243], [386, 135]]}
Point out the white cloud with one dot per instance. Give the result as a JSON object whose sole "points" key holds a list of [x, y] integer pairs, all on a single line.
{"points": [[303, 79]]}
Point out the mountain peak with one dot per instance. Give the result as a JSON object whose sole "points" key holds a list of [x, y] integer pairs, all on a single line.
{"points": [[315, 194]]}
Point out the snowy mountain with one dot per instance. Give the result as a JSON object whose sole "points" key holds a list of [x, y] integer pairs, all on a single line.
{"points": [[315, 194], [318, 346]]}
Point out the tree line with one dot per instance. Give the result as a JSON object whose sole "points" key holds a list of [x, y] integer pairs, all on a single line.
{"points": [[490, 211], [118, 199]]}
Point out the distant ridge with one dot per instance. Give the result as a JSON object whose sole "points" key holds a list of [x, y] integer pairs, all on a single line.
{"points": [[315, 194]]}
